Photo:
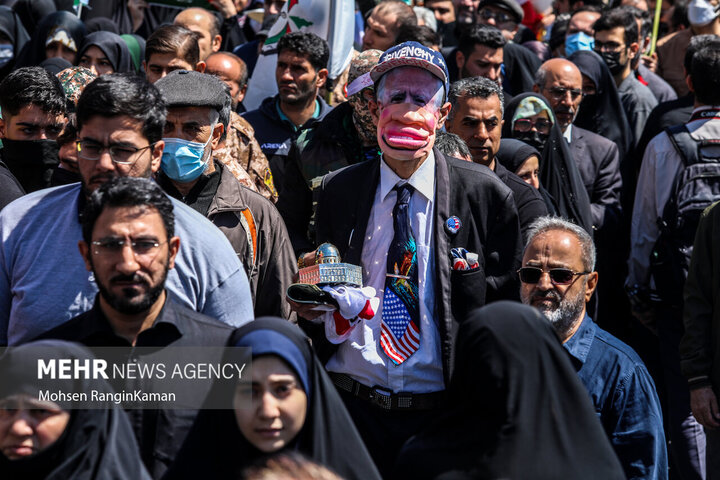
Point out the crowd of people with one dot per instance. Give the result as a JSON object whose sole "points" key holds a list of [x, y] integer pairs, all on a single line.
{"points": [[528, 190]]}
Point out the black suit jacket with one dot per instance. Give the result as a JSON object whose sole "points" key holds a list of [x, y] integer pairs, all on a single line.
{"points": [[598, 161], [490, 227]]}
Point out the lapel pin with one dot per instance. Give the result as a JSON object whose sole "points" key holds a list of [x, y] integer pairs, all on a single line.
{"points": [[453, 224]]}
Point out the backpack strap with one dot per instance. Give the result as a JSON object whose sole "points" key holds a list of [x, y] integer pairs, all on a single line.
{"points": [[686, 146]]}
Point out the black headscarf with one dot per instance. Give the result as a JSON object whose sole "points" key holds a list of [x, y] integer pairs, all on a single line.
{"points": [[114, 48], [12, 28], [95, 444], [32, 11], [513, 153], [558, 172], [101, 24], [34, 52], [215, 447], [519, 408], [520, 67], [602, 113]]}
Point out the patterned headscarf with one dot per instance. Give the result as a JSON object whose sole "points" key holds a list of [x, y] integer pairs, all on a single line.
{"points": [[74, 80], [360, 66]]}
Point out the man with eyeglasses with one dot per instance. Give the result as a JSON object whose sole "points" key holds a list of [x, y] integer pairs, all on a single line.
{"points": [[129, 246], [616, 41], [505, 15], [596, 157], [558, 278], [120, 120]]}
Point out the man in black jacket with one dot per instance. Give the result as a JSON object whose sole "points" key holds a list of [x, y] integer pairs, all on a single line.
{"points": [[476, 117], [399, 217], [301, 71]]}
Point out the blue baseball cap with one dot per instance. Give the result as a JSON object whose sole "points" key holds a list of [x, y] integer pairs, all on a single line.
{"points": [[412, 54]]}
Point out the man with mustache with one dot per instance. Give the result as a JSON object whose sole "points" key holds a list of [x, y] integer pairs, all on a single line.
{"points": [[301, 72], [129, 245], [596, 157], [120, 121], [476, 117], [401, 217], [558, 278]]}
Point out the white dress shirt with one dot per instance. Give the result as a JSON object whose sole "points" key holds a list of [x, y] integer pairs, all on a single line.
{"points": [[361, 355]]}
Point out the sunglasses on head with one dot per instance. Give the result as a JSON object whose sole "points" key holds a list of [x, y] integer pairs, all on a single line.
{"points": [[558, 276]]}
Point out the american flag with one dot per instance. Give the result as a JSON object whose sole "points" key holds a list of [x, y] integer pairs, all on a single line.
{"points": [[400, 336]]}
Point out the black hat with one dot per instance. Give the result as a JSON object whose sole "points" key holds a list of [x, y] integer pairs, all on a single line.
{"points": [[510, 5], [183, 88]]}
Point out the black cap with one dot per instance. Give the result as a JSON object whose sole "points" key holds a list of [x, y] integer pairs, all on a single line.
{"points": [[183, 88], [510, 5]]}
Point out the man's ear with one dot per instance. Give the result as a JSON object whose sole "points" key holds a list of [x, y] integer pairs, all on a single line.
{"points": [[241, 95], [322, 76], [634, 48], [216, 134], [156, 153], [200, 67], [591, 285], [443, 114], [216, 43], [85, 252], [373, 108], [460, 60], [174, 247]]}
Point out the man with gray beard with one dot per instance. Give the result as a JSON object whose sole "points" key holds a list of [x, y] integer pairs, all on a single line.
{"points": [[558, 278]]}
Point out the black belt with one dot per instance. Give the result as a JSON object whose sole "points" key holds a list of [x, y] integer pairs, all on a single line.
{"points": [[385, 399]]}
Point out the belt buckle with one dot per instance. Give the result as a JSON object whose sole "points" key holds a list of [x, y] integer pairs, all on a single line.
{"points": [[381, 398]]}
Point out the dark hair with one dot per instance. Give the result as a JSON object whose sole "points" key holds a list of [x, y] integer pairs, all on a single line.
{"points": [[422, 34], [307, 44], [679, 15], [32, 86], [404, 14], [705, 74], [452, 145], [127, 192], [473, 87], [124, 94], [586, 8], [618, 18], [697, 43], [243, 78], [486, 35], [174, 39], [642, 15]]}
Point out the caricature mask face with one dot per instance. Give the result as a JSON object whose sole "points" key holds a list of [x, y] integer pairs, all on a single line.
{"points": [[408, 110]]}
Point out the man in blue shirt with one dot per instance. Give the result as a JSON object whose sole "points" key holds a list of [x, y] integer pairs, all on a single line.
{"points": [[558, 278]]}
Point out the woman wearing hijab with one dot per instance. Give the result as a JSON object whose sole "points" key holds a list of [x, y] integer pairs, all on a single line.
{"points": [[308, 415], [519, 410], [601, 111], [59, 34], [529, 118], [13, 38], [524, 161], [42, 440], [31, 12], [104, 53]]}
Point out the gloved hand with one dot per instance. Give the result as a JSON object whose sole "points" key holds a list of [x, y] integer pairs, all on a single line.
{"points": [[354, 304]]}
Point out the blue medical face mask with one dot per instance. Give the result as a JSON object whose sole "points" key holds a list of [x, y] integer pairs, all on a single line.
{"points": [[6, 54], [183, 160], [578, 41]]}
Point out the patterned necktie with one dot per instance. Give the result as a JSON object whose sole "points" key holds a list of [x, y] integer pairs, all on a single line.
{"points": [[400, 335]]}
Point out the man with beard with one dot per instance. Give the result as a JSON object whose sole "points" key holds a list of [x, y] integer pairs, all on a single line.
{"points": [[384, 23], [476, 117], [33, 116], [480, 53], [616, 41], [596, 157], [301, 71], [403, 217], [120, 120], [558, 278], [129, 245]]}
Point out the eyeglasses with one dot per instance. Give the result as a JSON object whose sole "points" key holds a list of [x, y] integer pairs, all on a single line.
{"points": [[559, 93], [542, 125], [120, 154], [144, 250], [558, 276], [607, 46], [499, 17]]}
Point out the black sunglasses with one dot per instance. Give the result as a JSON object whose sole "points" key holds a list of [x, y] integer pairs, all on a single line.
{"points": [[558, 276]]}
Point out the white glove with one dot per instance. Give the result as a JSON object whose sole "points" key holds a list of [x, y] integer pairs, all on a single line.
{"points": [[355, 304]]}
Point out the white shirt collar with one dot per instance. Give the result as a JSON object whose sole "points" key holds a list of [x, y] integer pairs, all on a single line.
{"points": [[568, 133], [423, 180]]}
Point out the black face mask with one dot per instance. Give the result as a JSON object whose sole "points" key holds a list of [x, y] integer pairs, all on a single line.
{"points": [[534, 139], [62, 176], [612, 60], [31, 161]]}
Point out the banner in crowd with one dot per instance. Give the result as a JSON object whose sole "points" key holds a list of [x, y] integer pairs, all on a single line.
{"points": [[332, 20]]}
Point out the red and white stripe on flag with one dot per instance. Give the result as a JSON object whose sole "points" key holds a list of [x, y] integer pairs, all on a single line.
{"points": [[401, 349]]}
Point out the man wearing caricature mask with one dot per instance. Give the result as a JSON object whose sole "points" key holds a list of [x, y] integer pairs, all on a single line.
{"points": [[435, 236]]}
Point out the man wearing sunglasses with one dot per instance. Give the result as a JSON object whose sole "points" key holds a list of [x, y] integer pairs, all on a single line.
{"points": [[557, 277], [505, 15]]}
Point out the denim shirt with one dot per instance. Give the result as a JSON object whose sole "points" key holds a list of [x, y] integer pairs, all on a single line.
{"points": [[624, 397]]}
